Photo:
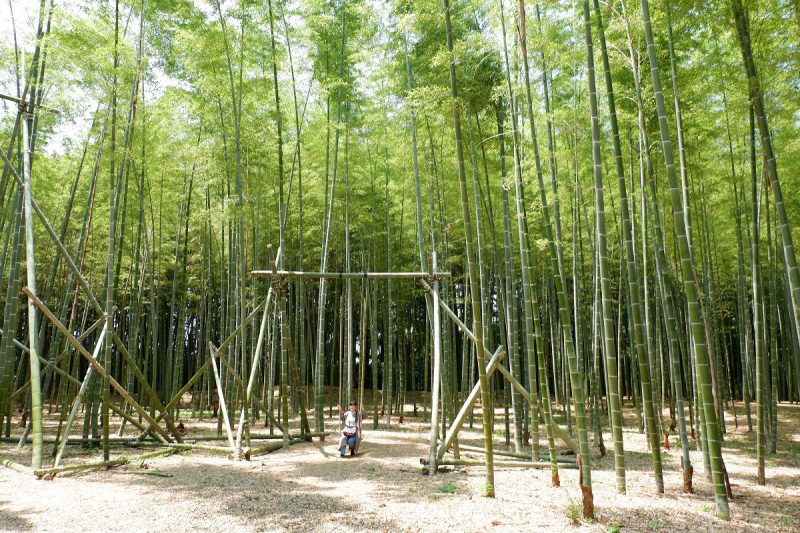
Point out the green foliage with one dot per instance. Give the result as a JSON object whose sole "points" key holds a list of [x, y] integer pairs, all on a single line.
{"points": [[574, 513], [449, 488]]}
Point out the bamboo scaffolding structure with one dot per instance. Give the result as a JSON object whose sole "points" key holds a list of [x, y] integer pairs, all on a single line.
{"points": [[93, 362], [563, 435]]}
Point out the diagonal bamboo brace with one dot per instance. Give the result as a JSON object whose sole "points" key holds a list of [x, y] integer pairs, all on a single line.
{"points": [[212, 354], [92, 361], [151, 395], [458, 421], [240, 382], [563, 435], [203, 368]]}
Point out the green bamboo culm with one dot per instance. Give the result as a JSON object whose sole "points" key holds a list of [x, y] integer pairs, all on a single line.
{"points": [[607, 314], [756, 95], [558, 274], [697, 328], [30, 264], [758, 312], [632, 276], [112, 231], [472, 267]]}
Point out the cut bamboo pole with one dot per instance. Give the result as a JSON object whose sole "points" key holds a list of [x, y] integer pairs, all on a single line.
{"points": [[49, 473], [466, 408], [22, 469], [500, 464]]}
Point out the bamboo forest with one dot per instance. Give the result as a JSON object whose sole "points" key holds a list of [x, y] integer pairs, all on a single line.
{"points": [[399, 265]]}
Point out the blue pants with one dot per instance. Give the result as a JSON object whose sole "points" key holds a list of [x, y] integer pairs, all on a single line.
{"points": [[347, 441]]}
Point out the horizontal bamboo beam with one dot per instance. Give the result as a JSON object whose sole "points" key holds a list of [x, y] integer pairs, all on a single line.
{"points": [[122, 460], [25, 103], [348, 275], [121, 441], [272, 447]]}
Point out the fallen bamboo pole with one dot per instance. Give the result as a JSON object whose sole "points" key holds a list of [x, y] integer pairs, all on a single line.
{"points": [[50, 473], [222, 450], [22, 469], [478, 449], [501, 464], [124, 441], [275, 446]]}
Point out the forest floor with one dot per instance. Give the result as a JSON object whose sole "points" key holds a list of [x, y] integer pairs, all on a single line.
{"points": [[309, 488]]}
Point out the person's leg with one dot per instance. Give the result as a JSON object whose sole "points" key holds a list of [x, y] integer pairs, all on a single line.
{"points": [[351, 442], [342, 445]]}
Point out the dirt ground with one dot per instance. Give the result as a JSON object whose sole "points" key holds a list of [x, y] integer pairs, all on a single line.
{"points": [[309, 488]]}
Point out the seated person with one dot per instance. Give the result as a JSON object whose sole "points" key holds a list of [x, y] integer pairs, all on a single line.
{"points": [[351, 432]]}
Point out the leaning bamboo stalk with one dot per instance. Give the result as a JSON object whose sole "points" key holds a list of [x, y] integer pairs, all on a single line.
{"points": [[76, 403], [53, 237], [149, 392], [223, 345], [756, 95], [120, 411], [221, 395]]}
